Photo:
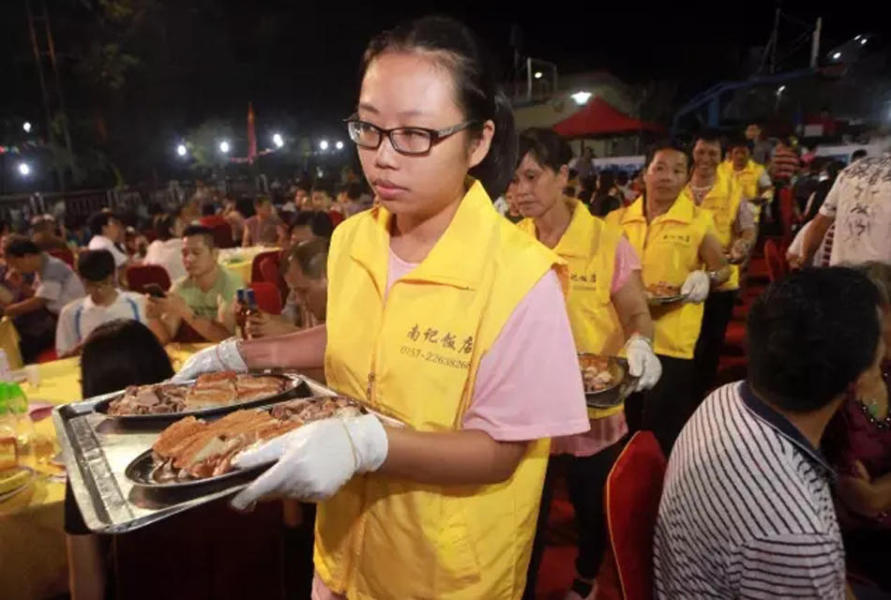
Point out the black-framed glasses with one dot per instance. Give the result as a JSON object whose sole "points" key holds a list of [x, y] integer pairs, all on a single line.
{"points": [[405, 140]]}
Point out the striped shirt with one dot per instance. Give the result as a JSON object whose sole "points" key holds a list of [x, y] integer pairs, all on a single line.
{"points": [[746, 510]]}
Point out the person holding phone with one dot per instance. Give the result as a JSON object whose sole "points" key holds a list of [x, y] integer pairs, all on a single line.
{"points": [[442, 315], [104, 302]]}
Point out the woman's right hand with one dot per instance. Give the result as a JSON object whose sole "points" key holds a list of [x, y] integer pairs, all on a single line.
{"points": [[225, 356]]}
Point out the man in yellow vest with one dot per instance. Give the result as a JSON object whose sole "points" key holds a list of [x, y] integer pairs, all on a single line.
{"points": [[678, 247], [751, 177], [714, 191]]}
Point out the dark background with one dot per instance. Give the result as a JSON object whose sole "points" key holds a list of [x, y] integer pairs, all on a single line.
{"points": [[139, 75]]}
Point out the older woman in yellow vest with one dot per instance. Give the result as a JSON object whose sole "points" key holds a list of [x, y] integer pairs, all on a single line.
{"points": [[609, 316], [442, 315], [679, 247]]}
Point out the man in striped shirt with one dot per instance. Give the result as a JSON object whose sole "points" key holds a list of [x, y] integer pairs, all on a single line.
{"points": [[746, 511]]}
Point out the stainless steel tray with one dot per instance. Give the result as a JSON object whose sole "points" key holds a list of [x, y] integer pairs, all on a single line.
{"points": [[97, 451]]}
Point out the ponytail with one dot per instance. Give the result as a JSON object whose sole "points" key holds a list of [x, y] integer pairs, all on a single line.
{"points": [[497, 168]]}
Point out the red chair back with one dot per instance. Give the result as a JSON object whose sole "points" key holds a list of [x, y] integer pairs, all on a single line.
{"points": [[256, 274], [65, 255], [222, 235], [138, 276], [633, 490], [268, 297], [776, 262]]}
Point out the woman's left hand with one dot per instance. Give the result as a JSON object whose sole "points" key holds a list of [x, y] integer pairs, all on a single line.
{"points": [[315, 460], [642, 362]]}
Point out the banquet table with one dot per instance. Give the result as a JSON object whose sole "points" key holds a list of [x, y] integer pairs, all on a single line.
{"points": [[32, 553], [240, 260]]}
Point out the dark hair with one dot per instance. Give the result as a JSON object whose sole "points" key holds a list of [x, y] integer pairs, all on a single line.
{"points": [[303, 219], [95, 265], [261, 200], [858, 154], [606, 181], [812, 334], [476, 82], [204, 232], [322, 185], [121, 353], [99, 221], [312, 256], [165, 227], [622, 178], [321, 224], [665, 145], [208, 209], [546, 146], [709, 136], [738, 141], [19, 246], [354, 191]]}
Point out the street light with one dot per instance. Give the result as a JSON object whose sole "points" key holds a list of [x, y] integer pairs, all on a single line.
{"points": [[836, 56], [278, 140], [339, 145], [182, 150], [27, 126], [538, 74], [24, 169], [581, 97], [323, 145], [224, 147], [863, 42], [781, 89]]}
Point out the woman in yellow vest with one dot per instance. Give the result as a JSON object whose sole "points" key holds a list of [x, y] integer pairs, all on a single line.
{"points": [[609, 316], [678, 246], [441, 315]]}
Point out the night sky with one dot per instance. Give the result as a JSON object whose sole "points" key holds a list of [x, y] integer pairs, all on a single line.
{"points": [[298, 61]]}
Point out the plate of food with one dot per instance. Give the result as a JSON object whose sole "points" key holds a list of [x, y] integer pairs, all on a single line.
{"points": [[210, 394], [603, 378], [663, 293], [194, 452]]}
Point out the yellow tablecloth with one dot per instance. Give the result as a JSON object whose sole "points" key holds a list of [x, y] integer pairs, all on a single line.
{"points": [[240, 260], [32, 542], [9, 343]]}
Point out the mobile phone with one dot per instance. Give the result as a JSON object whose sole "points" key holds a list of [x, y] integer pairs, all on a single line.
{"points": [[154, 290]]}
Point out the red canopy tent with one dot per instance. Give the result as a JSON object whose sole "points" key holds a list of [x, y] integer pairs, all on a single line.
{"points": [[599, 117]]}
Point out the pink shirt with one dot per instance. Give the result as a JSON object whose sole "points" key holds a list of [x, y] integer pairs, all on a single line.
{"points": [[528, 385], [606, 431]]}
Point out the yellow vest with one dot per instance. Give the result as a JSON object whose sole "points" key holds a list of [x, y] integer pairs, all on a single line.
{"points": [[414, 356], [669, 251], [723, 202], [589, 248], [747, 180]]}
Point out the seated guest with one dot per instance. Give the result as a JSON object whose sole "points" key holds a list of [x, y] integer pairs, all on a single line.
{"points": [[108, 234], [115, 355], [203, 297], [135, 244], [858, 443], [43, 234], [233, 216], [746, 509], [103, 303], [310, 225], [306, 276], [347, 202], [167, 250], [260, 230], [55, 285]]}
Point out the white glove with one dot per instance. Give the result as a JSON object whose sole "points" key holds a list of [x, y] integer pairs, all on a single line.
{"points": [[696, 287], [315, 460], [642, 362], [222, 357]]}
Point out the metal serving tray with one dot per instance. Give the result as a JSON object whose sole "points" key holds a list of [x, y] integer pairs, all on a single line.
{"points": [[98, 449]]}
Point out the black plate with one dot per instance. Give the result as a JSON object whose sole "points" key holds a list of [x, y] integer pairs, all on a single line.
{"points": [[296, 388], [616, 393], [140, 469]]}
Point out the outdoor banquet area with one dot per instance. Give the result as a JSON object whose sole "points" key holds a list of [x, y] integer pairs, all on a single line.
{"points": [[502, 336]]}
